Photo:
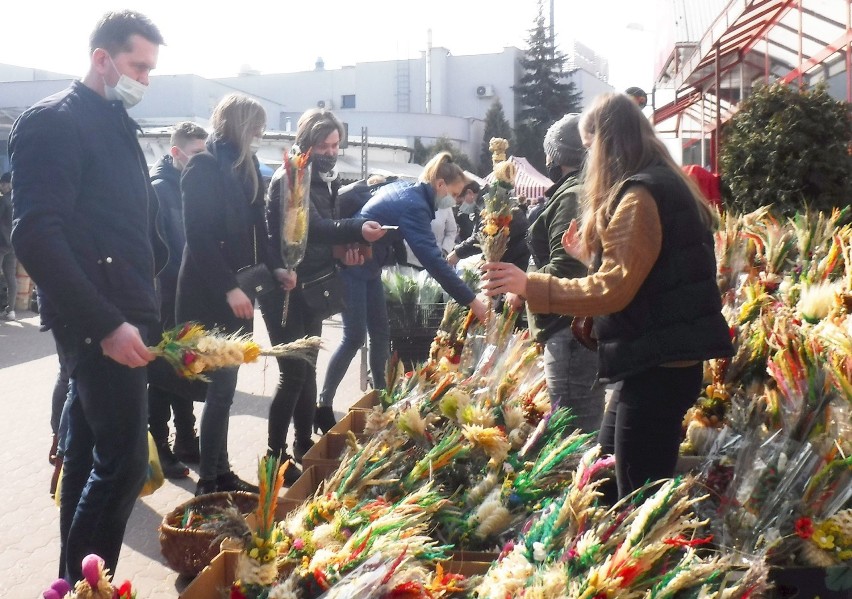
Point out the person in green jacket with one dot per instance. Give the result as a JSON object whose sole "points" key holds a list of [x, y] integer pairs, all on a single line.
{"points": [[570, 367]]}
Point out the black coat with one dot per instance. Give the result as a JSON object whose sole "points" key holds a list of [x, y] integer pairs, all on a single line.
{"points": [[222, 221], [165, 179], [85, 213]]}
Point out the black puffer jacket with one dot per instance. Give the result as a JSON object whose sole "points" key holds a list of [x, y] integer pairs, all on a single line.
{"points": [[222, 221]]}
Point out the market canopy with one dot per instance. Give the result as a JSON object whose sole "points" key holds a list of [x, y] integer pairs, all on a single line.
{"points": [[528, 181]]}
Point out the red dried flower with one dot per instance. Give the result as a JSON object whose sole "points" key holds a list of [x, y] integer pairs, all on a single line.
{"points": [[804, 528]]}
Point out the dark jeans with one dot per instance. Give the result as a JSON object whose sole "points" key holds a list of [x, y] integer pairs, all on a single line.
{"points": [[106, 454], [161, 404], [213, 433], [642, 425], [296, 395], [60, 391], [366, 311]]}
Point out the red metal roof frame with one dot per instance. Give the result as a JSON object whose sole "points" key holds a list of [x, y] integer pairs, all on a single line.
{"points": [[727, 43]]}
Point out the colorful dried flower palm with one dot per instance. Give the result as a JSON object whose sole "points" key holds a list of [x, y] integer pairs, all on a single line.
{"points": [[295, 211], [192, 350]]}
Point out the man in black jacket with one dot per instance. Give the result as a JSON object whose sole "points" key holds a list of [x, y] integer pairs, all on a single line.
{"points": [[84, 228], [167, 392]]}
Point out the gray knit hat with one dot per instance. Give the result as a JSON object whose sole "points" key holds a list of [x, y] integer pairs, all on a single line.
{"points": [[562, 143]]}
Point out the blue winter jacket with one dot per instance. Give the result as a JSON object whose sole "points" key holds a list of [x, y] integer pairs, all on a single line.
{"points": [[412, 208]]}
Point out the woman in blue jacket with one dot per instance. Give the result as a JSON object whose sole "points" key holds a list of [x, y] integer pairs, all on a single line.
{"points": [[411, 208]]}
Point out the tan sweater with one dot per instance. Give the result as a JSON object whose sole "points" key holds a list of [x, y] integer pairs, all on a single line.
{"points": [[631, 246]]}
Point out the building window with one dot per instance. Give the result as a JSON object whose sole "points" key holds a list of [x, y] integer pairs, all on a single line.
{"points": [[347, 101]]}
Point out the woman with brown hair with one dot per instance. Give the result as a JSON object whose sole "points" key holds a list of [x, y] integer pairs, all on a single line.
{"points": [[648, 234], [222, 192]]}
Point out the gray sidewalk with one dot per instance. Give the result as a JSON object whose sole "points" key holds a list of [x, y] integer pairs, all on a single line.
{"points": [[29, 518]]}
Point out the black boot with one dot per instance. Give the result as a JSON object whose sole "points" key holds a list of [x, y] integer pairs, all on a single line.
{"points": [[172, 467], [324, 419], [231, 482], [187, 449], [293, 472], [300, 448], [205, 487]]}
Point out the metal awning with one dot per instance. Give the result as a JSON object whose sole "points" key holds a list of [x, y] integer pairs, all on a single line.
{"points": [[749, 42]]}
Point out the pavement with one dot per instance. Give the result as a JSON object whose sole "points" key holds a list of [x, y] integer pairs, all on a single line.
{"points": [[29, 518]]}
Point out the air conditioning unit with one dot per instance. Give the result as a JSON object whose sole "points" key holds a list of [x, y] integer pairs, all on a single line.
{"points": [[327, 104], [484, 91]]}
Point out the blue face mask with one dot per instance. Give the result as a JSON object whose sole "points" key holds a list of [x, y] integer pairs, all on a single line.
{"points": [[448, 201]]}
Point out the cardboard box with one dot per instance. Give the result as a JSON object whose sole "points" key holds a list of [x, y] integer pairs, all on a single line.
{"points": [[367, 402], [355, 421], [218, 575], [302, 489], [325, 452], [222, 570], [466, 568], [474, 556]]}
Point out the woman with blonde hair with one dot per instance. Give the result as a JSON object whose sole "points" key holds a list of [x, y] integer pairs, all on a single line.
{"points": [[223, 204], [411, 207], [647, 233]]}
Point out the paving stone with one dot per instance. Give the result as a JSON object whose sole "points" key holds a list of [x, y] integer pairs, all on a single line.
{"points": [[29, 547]]}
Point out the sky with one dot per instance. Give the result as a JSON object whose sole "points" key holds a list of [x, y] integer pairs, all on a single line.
{"points": [[208, 39]]}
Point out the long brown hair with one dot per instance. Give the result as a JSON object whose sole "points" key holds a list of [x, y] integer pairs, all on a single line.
{"points": [[623, 143], [237, 118]]}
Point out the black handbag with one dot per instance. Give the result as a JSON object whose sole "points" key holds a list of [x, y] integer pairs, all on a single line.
{"points": [[323, 294], [256, 280]]}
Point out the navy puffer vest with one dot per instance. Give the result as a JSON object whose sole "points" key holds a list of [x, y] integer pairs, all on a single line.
{"points": [[676, 314]]}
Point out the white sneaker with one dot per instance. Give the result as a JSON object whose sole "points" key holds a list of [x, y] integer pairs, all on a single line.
{"points": [[10, 315]]}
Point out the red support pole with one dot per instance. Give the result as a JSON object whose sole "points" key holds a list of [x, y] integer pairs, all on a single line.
{"points": [[717, 66], [800, 45]]}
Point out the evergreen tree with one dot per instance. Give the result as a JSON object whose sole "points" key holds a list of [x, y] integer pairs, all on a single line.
{"points": [[544, 96], [496, 125], [788, 148], [423, 153]]}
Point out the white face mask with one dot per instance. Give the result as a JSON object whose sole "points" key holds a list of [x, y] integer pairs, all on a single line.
{"points": [[255, 144], [128, 90], [448, 201]]}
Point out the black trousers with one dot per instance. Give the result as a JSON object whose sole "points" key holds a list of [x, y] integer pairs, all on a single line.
{"points": [[642, 425], [161, 404], [296, 396]]}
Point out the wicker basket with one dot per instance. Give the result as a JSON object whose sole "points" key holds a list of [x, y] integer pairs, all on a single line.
{"points": [[188, 551]]}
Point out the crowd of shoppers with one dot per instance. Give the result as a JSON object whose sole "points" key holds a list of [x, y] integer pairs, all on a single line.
{"points": [[119, 254]]}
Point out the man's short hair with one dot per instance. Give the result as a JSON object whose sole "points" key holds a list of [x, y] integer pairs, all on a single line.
{"points": [[186, 131], [113, 31]]}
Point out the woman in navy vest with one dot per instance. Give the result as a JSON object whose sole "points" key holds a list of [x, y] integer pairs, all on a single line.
{"points": [[647, 232]]}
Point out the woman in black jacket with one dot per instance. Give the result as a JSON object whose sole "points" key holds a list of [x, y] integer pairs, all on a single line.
{"points": [[295, 398], [222, 193]]}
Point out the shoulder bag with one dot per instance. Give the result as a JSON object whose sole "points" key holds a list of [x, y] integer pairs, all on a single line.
{"points": [[323, 294], [256, 280]]}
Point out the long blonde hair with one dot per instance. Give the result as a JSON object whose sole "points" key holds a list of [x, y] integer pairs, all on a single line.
{"points": [[237, 119], [441, 166], [623, 144]]}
